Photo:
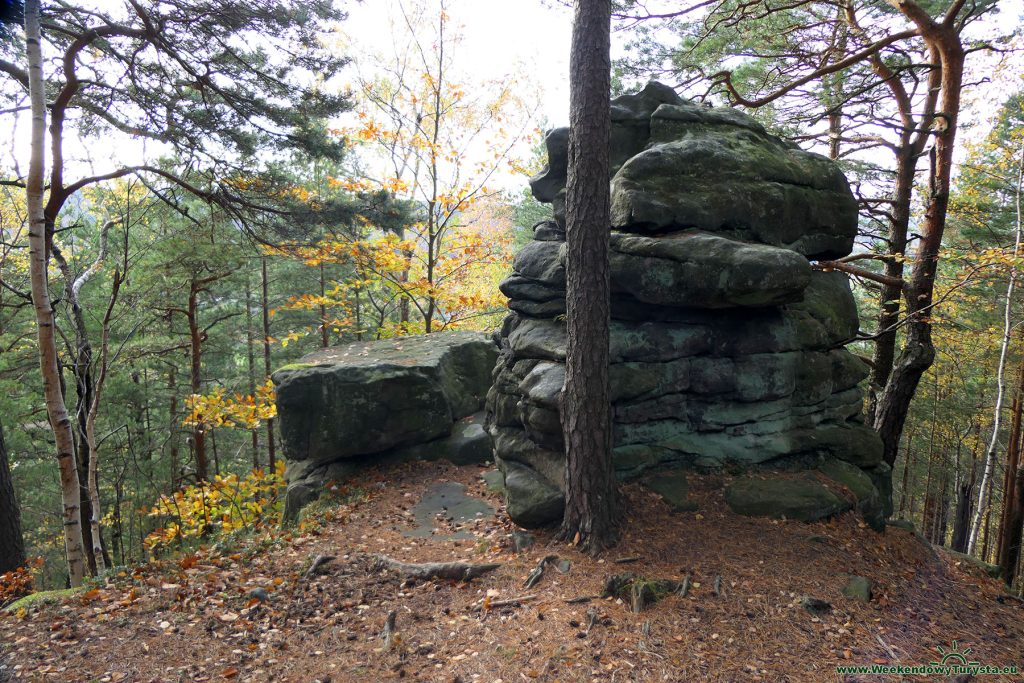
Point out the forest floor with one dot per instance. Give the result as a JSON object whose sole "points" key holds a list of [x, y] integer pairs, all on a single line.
{"points": [[195, 619]]}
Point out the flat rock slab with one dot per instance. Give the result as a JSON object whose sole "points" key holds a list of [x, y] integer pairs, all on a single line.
{"points": [[448, 500], [371, 397]]}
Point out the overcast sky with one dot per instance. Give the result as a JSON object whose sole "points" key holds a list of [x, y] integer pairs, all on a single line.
{"points": [[525, 36], [529, 37]]}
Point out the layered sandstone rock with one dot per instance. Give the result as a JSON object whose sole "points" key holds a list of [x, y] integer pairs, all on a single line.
{"points": [[727, 348]]}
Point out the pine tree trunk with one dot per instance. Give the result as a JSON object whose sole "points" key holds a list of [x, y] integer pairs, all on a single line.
{"points": [[12, 545], [590, 487], [56, 410]]}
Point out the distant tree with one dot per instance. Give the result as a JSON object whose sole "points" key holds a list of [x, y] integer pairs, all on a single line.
{"points": [[590, 487], [438, 141], [227, 86], [12, 546]]}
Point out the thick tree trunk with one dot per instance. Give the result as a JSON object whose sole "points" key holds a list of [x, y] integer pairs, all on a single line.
{"points": [[56, 410], [265, 300], [12, 544], [586, 413]]}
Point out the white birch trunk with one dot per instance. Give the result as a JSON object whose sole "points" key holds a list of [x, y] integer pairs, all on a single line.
{"points": [[56, 410], [990, 453]]}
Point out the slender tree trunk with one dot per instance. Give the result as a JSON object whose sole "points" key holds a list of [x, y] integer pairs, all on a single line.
{"points": [[56, 409], [96, 511], [325, 338], [942, 509], [927, 513], [986, 526], [84, 371], [195, 336], [908, 462], [1004, 349], [172, 409], [271, 446], [12, 544], [590, 487], [250, 356]]}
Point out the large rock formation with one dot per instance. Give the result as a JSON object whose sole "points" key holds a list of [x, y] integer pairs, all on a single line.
{"points": [[727, 348], [372, 403]]}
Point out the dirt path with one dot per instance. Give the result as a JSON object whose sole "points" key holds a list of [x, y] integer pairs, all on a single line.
{"points": [[196, 619]]}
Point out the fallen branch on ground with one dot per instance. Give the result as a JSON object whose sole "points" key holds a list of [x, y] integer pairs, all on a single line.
{"points": [[495, 604], [538, 571], [582, 599], [452, 571], [318, 563]]}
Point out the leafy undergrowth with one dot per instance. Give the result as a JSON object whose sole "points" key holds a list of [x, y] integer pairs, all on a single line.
{"points": [[203, 617]]}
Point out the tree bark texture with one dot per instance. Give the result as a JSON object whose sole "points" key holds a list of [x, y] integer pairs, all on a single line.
{"points": [[586, 414], [12, 544]]}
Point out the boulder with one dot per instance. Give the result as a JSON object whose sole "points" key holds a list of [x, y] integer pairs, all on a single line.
{"points": [[801, 498], [869, 501], [374, 403], [371, 397], [702, 270], [531, 500]]}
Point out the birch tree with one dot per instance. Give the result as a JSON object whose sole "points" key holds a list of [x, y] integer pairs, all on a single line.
{"points": [[56, 410]]}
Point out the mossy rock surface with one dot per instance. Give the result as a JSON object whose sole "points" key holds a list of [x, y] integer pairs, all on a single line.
{"points": [[371, 397], [859, 483], [42, 598], [801, 498]]}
